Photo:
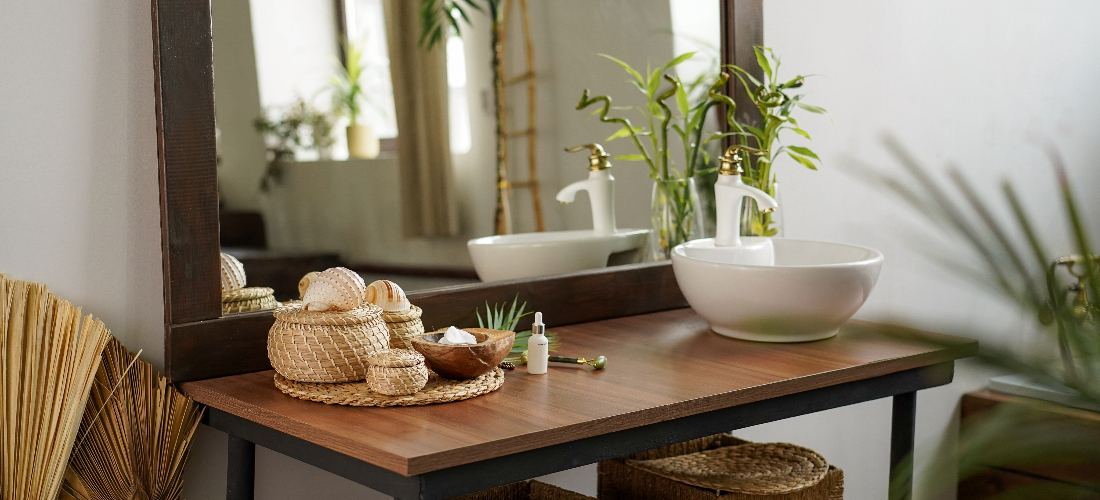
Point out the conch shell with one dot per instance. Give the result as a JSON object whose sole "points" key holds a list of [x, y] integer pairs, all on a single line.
{"points": [[335, 289], [303, 284], [233, 277], [387, 295]]}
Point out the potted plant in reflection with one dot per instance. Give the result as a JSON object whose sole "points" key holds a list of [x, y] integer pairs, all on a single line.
{"points": [[775, 102], [349, 97]]}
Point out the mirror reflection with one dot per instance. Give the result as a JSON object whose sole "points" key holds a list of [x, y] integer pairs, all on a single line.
{"points": [[344, 140]]}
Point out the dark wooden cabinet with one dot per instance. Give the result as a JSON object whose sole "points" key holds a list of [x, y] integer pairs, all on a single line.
{"points": [[1080, 481]]}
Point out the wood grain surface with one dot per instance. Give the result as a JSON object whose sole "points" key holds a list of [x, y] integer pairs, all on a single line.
{"points": [[661, 366], [238, 343]]}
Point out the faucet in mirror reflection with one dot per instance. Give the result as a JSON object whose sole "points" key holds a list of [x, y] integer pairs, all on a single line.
{"points": [[600, 185]]}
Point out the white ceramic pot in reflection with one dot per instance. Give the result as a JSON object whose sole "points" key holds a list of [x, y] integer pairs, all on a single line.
{"points": [[810, 291], [362, 142]]}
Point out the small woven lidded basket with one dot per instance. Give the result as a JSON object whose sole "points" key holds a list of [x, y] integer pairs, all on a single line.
{"points": [[403, 326], [396, 372], [327, 347], [254, 298]]}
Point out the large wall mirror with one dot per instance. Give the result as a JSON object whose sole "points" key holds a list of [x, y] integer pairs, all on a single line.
{"points": [[297, 191], [257, 159]]}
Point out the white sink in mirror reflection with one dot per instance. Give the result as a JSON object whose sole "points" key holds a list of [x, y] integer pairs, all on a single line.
{"points": [[514, 256], [808, 291]]}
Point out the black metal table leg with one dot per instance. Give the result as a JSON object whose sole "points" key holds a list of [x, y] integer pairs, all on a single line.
{"points": [[241, 472], [903, 429]]}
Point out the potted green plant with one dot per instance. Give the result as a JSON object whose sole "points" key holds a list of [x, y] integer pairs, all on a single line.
{"points": [[301, 127], [349, 97], [675, 200], [1014, 261], [775, 102]]}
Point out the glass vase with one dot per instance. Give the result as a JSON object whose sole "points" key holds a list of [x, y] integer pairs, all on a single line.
{"points": [[754, 223], [673, 216]]}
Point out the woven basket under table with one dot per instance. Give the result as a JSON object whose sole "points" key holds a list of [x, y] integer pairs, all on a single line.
{"points": [[403, 326], [327, 347], [525, 490], [618, 480]]}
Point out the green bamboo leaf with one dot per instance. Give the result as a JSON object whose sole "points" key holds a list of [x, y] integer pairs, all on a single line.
{"points": [[679, 59], [652, 84], [763, 62], [801, 132], [623, 132], [803, 151], [626, 67], [682, 100], [633, 157], [803, 160], [811, 108]]}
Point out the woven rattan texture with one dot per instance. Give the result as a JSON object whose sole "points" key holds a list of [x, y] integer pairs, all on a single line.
{"points": [[758, 468], [256, 298], [437, 390], [328, 347], [403, 326], [396, 372], [620, 481], [525, 490]]}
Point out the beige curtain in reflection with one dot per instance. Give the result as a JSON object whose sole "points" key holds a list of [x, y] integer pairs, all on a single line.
{"points": [[423, 133]]}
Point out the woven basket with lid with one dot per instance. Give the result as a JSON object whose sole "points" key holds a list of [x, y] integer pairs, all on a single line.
{"points": [[403, 326], [396, 372], [254, 298], [325, 347]]}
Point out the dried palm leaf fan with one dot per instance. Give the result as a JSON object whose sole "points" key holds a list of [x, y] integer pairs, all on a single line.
{"points": [[48, 358], [135, 436]]}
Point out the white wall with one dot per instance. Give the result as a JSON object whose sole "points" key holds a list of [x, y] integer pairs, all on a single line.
{"points": [[78, 162], [963, 81]]}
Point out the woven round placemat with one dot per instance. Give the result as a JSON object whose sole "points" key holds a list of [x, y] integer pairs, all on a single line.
{"points": [[256, 298], [437, 390], [754, 468]]}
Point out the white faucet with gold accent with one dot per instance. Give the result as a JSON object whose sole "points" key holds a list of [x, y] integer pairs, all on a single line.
{"points": [[729, 191], [601, 189]]}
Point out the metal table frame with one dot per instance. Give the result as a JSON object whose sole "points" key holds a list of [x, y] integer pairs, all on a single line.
{"points": [[244, 435]]}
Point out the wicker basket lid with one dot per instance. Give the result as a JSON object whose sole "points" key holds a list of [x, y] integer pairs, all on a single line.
{"points": [[395, 358], [411, 314], [292, 312], [250, 293], [751, 468]]}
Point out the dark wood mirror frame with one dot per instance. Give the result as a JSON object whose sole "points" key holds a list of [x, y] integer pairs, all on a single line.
{"points": [[200, 343]]}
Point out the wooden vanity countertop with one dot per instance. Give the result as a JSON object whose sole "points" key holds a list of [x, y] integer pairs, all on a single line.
{"points": [[660, 366]]}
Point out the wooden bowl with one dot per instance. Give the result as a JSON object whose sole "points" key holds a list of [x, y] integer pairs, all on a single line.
{"points": [[461, 362]]}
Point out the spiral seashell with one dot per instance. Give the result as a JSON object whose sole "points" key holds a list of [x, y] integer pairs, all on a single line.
{"points": [[303, 284], [233, 277], [387, 295], [335, 289]]}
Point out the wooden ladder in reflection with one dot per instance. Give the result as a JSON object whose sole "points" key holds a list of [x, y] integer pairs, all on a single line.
{"points": [[503, 221]]}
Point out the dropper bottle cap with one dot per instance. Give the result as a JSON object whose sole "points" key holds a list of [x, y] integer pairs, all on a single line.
{"points": [[538, 328]]}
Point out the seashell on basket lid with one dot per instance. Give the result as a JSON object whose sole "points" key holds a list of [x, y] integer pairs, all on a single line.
{"points": [[395, 358], [233, 277], [387, 295], [303, 283], [335, 289]]}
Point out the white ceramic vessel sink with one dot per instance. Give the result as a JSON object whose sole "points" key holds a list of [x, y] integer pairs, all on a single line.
{"points": [[812, 288], [524, 255]]}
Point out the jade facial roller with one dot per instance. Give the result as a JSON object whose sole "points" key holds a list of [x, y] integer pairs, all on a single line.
{"points": [[598, 363]]}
